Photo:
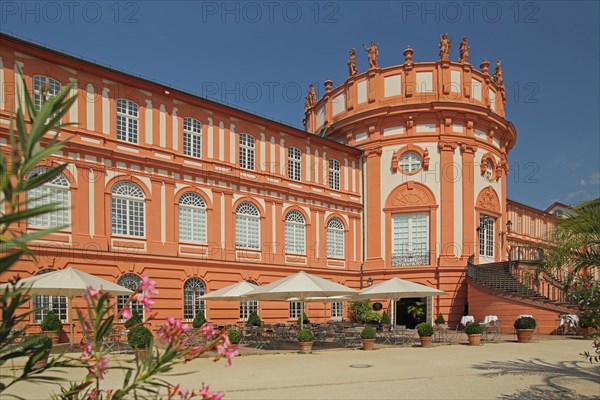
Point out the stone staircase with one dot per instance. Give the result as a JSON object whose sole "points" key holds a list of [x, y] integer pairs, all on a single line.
{"points": [[518, 281]]}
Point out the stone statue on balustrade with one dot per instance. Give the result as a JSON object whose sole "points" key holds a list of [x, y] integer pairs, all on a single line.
{"points": [[352, 63], [464, 51], [444, 47], [311, 98], [497, 76], [373, 52]]}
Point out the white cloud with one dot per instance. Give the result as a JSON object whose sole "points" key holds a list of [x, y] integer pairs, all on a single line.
{"points": [[593, 180]]}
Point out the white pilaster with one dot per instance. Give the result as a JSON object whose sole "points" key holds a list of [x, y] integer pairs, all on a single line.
{"points": [[148, 122], [105, 111], [162, 126], [89, 107]]}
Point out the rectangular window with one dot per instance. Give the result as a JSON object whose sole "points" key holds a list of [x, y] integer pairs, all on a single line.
{"points": [[295, 309], [519, 224], [544, 231], [127, 121], [410, 239], [424, 82], [476, 89], [334, 174], [246, 151], [362, 92], [294, 163], [486, 236], [392, 85], [455, 81], [247, 308], [192, 137], [339, 103], [337, 310], [42, 304], [532, 227]]}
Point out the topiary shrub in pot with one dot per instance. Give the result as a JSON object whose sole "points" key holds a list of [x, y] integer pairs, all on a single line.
{"points": [[306, 339], [305, 320], [440, 320], [234, 337], [425, 331], [140, 339], [525, 327], [253, 319], [136, 319], [199, 319], [38, 347], [385, 318], [368, 336], [474, 331], [51, 326]]}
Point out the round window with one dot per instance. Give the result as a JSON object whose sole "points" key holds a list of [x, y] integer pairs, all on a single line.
{"points": [[410, 162]]}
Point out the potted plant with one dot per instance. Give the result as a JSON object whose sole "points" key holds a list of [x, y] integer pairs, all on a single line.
{"points": [[253, 319], [136, 319], [51, 326], [305, 320], [368, 336], [140, 339], [425, 331], [440, 323], [39, 347], [199, 319], [474, 332], [306, 339], [588, 322], [385, 318], [234, 338], [525, 327]]}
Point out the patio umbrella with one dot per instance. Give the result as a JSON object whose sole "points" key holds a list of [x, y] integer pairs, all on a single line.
{"points": [[395, 289], [68, 282], [232, 292], [302, 286]]}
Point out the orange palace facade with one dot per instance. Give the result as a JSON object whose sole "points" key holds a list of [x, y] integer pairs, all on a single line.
{"points": [[401, 171]]}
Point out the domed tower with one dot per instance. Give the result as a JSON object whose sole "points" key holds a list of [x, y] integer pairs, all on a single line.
{"points": [[435, 142]]}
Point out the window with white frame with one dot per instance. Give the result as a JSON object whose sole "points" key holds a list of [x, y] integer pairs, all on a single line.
{"points": [[334, 174], [192, 218], [192, 137], [127, 121], [192, 289], [247, 226], [544, 231], [294, 163], [294, 233], [337, 310], [131, 282], [410, 239], [56, 191], [410, 162], [295, 309], [127, 209], [247, 151], [41, 304], [519, 223], [248, 307], [489, 169], [532, 227], [335, 238], [44, 88], [486, 236]]}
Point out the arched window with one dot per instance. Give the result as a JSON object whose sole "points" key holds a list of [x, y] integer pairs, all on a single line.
{"points": [[192, 218], [335, 238], [294, 233], [127, 209], [248, 307], [43, 89], [192, 137], [294, 163], [246, 151], [334, 174], [247, 226], [127, 121], [41, 304], [131, 282], [55, 191], [192, 289]]}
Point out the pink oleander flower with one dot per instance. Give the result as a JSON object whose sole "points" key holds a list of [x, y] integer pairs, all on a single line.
{"points": [[208, 330], [206, 395], [148, 286], [94, 294], [102, 367], [145, 300], [87, 351], [225, 350], [126, 313]]}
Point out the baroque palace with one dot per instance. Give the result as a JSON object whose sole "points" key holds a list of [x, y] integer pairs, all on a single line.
{"points": [[400, 172]]}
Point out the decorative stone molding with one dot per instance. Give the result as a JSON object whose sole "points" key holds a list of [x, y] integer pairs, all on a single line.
{"points": [[373, 152], [496, 172], [410, 194], [488, 200], [447, 146], [468, 148]]}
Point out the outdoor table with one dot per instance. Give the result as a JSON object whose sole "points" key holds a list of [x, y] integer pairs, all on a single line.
{"points": [[466, 319], [525, 316], [489, 318], [569, 319]]}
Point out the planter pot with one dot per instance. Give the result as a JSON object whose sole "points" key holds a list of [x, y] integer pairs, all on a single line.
{"points": [[474, 339], [586, 332], [368, 344], [524, 335], [42, 362], [140, 354], [306, 347], [425, 341], [54, 335]]}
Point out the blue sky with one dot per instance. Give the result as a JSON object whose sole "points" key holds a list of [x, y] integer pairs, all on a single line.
{"points": [[261, 56]]}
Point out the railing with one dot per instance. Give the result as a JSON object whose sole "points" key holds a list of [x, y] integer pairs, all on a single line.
{"points": [[403, 260], [540, 284], [526, 253]]}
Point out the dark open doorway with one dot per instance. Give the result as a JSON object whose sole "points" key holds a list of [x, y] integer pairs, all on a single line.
{"points": [[404, 315]]}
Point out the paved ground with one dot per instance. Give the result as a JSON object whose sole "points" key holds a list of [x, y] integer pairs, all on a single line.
{"points": [[549, 369]]}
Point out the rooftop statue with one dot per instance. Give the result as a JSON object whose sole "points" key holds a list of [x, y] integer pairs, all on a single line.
{"points": [[372, 54], [311, 98], [464, 51], [444, 47], [352, 62], [498, 77]]}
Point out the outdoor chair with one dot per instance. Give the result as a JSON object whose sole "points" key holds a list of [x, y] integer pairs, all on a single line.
{"points": [[115, 340], [492, 331]]}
